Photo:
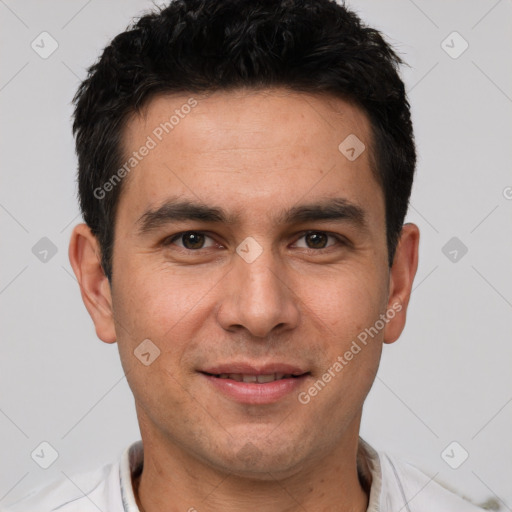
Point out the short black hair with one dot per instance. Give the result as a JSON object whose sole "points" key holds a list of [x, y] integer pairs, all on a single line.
{"points": [[202, 46]]}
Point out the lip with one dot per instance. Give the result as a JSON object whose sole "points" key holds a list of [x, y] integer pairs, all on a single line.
{"points": [[255, 393], [253, 369]]}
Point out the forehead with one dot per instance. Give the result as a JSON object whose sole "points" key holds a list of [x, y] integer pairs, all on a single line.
{"points": [[248, 150]]}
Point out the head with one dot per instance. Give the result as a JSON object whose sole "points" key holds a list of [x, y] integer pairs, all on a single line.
{"points": [[277, 135], [199, 46]]}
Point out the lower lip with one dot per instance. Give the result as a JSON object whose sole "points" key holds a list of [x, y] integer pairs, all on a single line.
{"points": [[251, 393]]}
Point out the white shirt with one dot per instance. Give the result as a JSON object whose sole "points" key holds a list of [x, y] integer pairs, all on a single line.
{"points": [[396, 486]]}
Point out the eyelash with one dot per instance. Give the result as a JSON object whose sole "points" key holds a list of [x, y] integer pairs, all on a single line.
{"points": [[341, 241]]}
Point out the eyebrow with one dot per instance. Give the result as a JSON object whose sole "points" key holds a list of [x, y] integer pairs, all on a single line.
{"points": [[176, 210]]}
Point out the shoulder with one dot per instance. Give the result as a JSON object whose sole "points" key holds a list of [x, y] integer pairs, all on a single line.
{"points": [[84, 492], [405, 487]]}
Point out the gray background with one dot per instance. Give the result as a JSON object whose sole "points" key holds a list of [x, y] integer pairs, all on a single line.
{"points": [[447, 379]]}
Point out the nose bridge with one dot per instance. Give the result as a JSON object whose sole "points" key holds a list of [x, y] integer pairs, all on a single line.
{"points": [[260, 280], [258, 299]]}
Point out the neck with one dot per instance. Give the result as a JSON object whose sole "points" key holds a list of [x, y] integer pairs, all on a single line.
{"points": [[171, 480]]}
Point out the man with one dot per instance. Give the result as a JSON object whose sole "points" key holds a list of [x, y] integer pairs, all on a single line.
{"points": [[244, 173]]}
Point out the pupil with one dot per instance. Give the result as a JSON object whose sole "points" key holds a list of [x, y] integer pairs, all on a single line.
{"points": [[196, 240], [318, 240]]}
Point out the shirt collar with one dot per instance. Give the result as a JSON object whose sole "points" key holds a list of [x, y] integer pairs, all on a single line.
{"points": [[130, 467]]}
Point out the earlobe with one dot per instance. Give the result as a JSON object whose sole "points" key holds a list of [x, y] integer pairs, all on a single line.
{"points": [[402, 274], [84, 256]]}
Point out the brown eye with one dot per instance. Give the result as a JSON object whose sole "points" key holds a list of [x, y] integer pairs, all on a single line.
{"points": [[191, 240], [316, 240]]}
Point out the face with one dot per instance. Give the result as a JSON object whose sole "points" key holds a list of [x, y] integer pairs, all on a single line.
{"points": [[251, 251]]}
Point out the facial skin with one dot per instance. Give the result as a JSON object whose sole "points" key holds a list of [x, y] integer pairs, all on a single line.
{"points": [[302, 301]]}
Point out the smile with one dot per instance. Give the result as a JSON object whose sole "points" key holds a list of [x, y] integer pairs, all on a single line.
{"points": [[251, 378], [255, 386]]}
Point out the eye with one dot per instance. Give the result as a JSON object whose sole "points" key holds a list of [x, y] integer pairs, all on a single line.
{"points": [[191, 240], [318, 240]]}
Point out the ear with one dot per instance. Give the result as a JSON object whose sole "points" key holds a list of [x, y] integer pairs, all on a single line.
{"points": [[401, 278], [85, 258]]}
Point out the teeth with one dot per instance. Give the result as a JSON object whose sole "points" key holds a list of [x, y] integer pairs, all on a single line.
{"points": [[267, 378], [261, 379], [249, 378]]}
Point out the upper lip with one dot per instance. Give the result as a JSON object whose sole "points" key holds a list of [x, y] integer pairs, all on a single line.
{"points": [[254, 369]]}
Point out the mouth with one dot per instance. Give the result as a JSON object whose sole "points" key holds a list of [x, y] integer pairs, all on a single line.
{"points": [[248, 384], [255, 378]]}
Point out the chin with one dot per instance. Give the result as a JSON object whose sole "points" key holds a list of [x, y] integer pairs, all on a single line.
{"points": [[261, 461]]}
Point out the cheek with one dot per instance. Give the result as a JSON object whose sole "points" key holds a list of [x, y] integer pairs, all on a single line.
{"points": [[166, 307], [349, 357], [155, 299], [347, 301]]}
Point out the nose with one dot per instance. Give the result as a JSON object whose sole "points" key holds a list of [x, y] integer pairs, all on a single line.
{"points": [[257, 298]]}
